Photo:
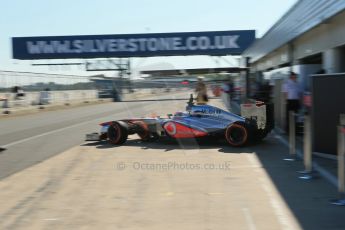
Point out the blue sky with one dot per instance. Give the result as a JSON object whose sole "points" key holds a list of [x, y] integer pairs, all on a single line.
{"points": [[85, 17]]}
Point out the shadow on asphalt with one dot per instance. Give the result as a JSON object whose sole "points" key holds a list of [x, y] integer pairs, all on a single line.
{"points": [[307, 200], [169, 145]]}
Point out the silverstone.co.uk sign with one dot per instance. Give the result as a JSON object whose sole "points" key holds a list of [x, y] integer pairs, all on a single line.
{"points": [[133, 45]]}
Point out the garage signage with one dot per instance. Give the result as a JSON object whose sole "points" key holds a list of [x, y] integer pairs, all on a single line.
{"points": [[133, 45]]}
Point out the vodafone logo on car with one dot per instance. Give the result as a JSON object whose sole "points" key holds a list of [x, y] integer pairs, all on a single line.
{"points": [[178, 130], [170, 128]]}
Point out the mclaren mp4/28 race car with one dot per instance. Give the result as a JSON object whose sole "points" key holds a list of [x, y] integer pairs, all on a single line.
{"points": [[198, 121]]}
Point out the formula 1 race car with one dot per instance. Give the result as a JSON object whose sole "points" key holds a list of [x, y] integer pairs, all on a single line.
{"points": [[198, 121]]}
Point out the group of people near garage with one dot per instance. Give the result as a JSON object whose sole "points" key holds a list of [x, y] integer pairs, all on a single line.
{"points": [[291, 89], [226, 90]]}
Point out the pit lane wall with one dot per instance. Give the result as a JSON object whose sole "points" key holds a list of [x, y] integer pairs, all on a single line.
{"points": [[9, 101], [49, 97]]}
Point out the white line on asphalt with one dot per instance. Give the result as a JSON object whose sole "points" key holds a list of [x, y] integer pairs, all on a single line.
{"points": [[249, 219], [327, 175], [279, 209], [281, 139], [276, 206], [47, 133]]}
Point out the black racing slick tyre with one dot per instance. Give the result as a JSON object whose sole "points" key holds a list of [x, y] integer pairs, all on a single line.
{"points": [[236, 134], [143, 130], [260, 134], [118, 133]]}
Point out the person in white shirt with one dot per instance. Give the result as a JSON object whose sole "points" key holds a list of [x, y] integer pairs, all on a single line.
{"points": [[227, 93], [292, 92]]}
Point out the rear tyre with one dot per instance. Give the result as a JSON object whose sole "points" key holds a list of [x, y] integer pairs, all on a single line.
{"points": [[118, 133], [236, 134], [261, 134]]}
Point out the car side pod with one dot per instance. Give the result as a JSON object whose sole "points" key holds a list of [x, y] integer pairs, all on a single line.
{"points": [[237, 134], [179, 131], [118, 132]]}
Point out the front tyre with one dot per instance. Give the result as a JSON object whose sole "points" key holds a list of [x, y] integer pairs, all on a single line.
{"points": [[236, 134], [118, 132]]}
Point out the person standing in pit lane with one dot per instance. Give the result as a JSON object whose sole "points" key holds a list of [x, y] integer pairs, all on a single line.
{"points": [[201, 91], [227, 93], [292, 92]]}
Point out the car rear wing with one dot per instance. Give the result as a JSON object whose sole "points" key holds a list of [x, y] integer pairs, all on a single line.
{"points": [[259, 111]]}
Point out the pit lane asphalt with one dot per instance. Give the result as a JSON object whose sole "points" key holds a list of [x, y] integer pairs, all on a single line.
{"points": [[34, 138], [100, 186]]}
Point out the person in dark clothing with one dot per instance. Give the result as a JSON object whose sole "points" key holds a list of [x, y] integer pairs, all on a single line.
{"points": [[321, 71], [231, 89], [18, 92], [263, 92]]}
